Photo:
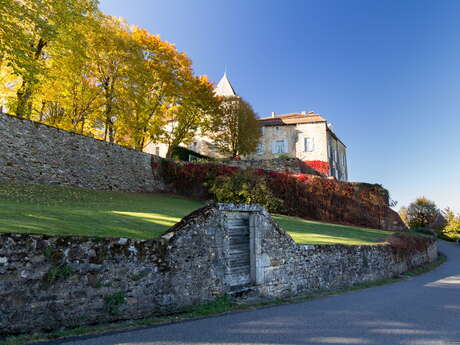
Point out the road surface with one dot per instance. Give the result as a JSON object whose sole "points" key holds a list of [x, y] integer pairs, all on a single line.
{"points": [[424, 310]]}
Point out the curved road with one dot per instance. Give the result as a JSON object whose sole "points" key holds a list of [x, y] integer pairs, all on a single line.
{"points": [[424, 310]]}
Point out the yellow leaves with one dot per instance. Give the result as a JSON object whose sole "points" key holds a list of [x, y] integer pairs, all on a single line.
{"points": [[99, 76]]}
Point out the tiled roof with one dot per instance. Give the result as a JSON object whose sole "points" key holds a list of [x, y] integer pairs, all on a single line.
{"points": [[291, 119]]}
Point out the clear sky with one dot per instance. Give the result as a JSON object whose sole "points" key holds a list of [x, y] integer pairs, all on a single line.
{"points": [[385, 73]]}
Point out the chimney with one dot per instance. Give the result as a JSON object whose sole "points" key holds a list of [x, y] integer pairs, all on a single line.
{"points": [[273, 114]]}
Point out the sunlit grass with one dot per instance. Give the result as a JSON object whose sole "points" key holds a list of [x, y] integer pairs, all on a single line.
{"points": [[311, 232], [53, 210], [151, 217]]}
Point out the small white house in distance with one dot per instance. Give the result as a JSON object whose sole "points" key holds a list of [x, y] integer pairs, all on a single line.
{"points": [[306, 136]]}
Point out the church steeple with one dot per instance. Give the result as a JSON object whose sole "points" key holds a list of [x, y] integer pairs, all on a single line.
{"points": [[224, 88]]}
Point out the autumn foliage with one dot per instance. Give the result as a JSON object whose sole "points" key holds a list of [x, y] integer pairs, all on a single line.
{"points": [[302, 195], [320, 166], [66, 64]]}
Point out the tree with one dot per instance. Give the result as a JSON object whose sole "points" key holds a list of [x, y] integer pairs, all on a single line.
{"points": [[70, 86], [156, 87], [421, 213], [32, 31], [114, 55], [192, 112], [237, 130], [403, 214]]}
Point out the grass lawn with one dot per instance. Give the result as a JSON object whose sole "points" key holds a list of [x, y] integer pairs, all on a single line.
{"points": [[311, 232], [53, 210], [72, 211]]}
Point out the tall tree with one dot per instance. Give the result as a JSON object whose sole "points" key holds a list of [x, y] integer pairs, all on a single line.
{"points": [[32, 31], [114, 56], [237, 130], [155, 84], [421, 213], [192, 113]]}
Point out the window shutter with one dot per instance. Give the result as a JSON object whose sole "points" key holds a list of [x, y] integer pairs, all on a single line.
{"points": [[285, 146], [274, 147], [312, 144]]}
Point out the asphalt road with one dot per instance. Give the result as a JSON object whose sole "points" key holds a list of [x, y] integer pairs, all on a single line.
{"points": [[422, 310]]}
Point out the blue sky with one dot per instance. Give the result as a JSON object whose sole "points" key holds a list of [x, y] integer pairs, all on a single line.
{"points": [[385, 73]]}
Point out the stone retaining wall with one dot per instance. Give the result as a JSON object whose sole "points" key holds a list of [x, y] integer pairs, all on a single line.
{"points": [[48, 283], [35, 153], [290, 165]]}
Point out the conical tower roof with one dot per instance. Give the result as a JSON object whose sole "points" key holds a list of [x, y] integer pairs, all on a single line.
{"points": [[224, 88]]}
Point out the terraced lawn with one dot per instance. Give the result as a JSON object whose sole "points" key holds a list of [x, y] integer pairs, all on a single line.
{"points": [[72, 211], [53, 210], [311, 232]]}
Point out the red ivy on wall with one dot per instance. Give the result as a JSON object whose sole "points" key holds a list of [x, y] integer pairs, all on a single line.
{"points": [[303, 195], [320, 166]]}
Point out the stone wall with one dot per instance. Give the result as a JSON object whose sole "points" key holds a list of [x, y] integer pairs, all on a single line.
{"points": [[290, 165], [48, 283], [35, 153], [286, 268]]}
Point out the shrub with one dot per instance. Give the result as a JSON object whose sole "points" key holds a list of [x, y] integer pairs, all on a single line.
{"points": [[244, 188], [426, 231], [421, 213], [300, 195], [405, 243], [320, 166], [452, 229], [284, 156], [57, 272], [113, 302]]}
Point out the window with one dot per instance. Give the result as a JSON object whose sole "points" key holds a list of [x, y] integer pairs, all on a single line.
{"points": [[262, 130], [309, 144], [260, 149], [279, 147], [157, 150], [212, 148], [193, 146]]}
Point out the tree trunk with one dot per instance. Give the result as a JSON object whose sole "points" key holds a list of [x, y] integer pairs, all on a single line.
{"points": [[23, 96], [24, 107], [169, 153]]}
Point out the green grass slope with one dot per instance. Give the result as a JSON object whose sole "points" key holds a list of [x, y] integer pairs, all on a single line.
{"points": [[54, 210], [311, 232]]}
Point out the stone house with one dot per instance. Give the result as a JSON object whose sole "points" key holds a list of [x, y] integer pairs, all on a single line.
{"points": [[307, 136]]}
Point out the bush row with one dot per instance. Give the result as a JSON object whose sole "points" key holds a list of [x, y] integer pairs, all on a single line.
{"points": [[300, 195]]}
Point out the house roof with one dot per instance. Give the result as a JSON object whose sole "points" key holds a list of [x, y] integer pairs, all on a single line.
{"points": [[296, 118], [224, 87], [291, 119]]}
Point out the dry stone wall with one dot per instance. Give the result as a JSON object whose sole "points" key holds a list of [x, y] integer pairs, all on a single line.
{"points": [[290, 165], [48, 283], [35, 153]]}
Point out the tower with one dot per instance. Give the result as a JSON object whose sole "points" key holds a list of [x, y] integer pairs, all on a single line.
{"points": [[224, 87]]}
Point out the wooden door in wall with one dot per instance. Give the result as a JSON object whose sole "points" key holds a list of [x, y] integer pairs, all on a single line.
{"points": [[238, 248]]}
